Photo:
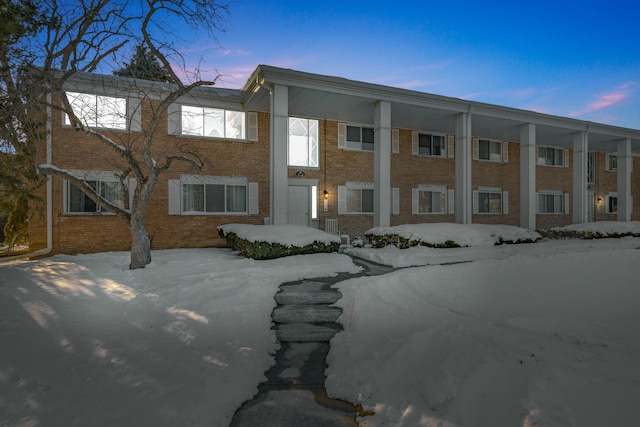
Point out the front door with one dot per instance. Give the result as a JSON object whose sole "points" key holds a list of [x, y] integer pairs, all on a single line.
{"points": [[299, 204]]}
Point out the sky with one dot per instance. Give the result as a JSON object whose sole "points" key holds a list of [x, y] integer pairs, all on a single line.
{"points": [[567, 58]]}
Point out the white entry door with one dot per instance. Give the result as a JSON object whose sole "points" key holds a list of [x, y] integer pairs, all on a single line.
{"points": [[299, 204]]}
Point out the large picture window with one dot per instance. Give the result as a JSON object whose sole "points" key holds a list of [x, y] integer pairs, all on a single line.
{"points": [[303, 142], [214, 198], [212, 122], [98, 111]]}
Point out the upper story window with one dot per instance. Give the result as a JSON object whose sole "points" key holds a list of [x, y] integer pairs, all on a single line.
{"points": [[212, 122], [355, 137], [611, 163], [591, 168], [551, 156], [303, 142], [490, 150], [98, 110], [429, 145]]}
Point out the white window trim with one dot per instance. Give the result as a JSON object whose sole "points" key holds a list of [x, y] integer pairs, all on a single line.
{"points": [[175, 194], [607, 159], [174, 123], [102, 176], [565, 197], [606, 204], [504, 150], [342, 136], [317, 160], [504, 199], [132, 113], [565, 157], [447, 146], [448, 194]]}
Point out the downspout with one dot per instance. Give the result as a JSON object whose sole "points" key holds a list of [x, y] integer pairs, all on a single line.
{"points": [[49, 197]]}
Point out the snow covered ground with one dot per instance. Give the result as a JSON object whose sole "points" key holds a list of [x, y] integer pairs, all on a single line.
{"points": [[544, 334]]}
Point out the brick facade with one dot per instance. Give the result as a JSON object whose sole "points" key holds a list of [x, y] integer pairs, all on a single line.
{"points": [[80, 233]]}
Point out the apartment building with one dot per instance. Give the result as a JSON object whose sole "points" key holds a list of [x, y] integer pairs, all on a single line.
{"points": [[297, 148]]}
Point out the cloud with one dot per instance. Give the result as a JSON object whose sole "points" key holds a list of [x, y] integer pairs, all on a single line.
{"points": [[608, 99]]}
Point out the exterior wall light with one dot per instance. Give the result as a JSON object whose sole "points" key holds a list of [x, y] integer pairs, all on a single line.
{"points": [[326, 201]]}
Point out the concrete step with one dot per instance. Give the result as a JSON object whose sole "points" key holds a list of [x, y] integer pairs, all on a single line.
{"points": [[295, 296], [299, 313], [306, 332]]}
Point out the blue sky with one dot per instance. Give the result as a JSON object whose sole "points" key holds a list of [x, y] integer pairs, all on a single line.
{"points": [[578, 59]]}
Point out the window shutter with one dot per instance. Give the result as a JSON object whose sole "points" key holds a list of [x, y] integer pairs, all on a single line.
{"points": [[133, 183], [414, 143], [414, 201], [476, 148], [254, 205], [451, 202], [134, 115], [174, 196], [395, 140], [505, 151], [631, 201], [566, 203], [505, 202], [342, 135], [537, 202], [174, 121], [475, 201], [252, 118], [607, 162], [395, 200], [566, 158], [342, 200], [451, 146]]}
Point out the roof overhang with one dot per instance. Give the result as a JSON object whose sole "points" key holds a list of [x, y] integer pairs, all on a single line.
{"points": [[336, 98]]}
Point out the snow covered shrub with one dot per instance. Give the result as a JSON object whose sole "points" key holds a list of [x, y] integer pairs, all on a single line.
{"points": [[270, 250]]}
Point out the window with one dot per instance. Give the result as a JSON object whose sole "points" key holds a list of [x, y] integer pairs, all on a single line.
{"points": [[612, 203], [212, 122], [490, 150], [429, 200], [431, 145], [552, 203], [611, 164], [212, 195], [551, 156], [359, 200], [78, 202], [214, 198], [98, 111], [591, 168], [490, 200], [360, 138], [303, 142]]}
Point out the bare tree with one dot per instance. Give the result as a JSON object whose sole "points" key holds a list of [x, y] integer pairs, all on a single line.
{"points": [[85, 36]]}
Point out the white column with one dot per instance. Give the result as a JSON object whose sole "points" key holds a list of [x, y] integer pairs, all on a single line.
{"points": [[580, 178], [528, 176], [382, 165], [624, 179], [464, 152], [279, 142]]}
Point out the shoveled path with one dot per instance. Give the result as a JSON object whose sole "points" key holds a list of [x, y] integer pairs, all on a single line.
{"points": [[304, 321]]}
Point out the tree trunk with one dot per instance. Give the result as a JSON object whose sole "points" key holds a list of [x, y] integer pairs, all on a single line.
{"points": [[140, 244]]}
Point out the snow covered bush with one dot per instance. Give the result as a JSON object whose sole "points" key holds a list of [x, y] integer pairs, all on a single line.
{"points": [[602, 230], [275, 241]]}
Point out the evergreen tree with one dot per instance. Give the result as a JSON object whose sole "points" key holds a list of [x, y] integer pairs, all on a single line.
{"points": [[144, 65]]}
